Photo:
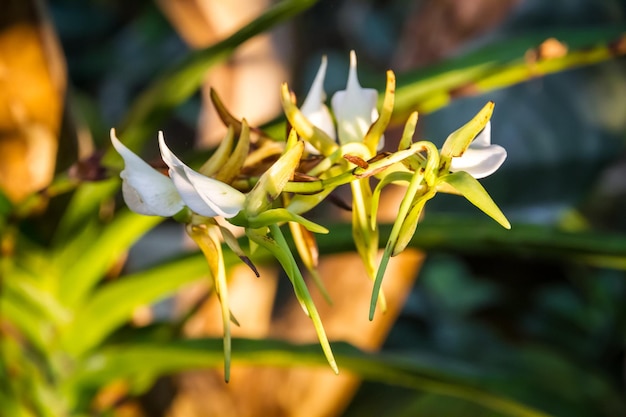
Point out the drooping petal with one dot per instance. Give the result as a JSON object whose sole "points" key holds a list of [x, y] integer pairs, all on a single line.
{"points": [[145, 190], [354, 107], [482, 158], [220, 198], [203, 195], [480, 162], [314, 108]]}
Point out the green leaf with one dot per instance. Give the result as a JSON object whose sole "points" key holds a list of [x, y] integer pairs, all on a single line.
{"points": [[499, 65], [83, 208], [6, 207], [472, 236], [26, 382], [100, 255], [17, 286], [35, 328], [184, 79], [113, 305], [407, 371]]}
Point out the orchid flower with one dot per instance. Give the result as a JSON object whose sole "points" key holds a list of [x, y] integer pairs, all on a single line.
{"points": [[147, 191], [481, 158], [354, 108], [356, 115], [467, 154]]}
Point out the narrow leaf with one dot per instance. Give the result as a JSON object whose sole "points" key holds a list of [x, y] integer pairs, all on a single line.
{"points": [[471, 189]]}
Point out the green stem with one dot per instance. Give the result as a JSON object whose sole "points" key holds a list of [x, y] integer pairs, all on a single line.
{"points": [[405, 205]]}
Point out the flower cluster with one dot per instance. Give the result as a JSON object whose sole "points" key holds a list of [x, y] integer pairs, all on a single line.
{"points": [[348, 152]]}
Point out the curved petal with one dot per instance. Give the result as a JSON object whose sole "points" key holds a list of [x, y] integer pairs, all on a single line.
{"points": [[479, 161], [314, 108], [146, 190], [354, 107], [167, 155], [484, 137], [203, 195], [219, 197]]}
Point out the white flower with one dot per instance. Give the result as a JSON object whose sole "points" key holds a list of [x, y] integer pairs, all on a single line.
{"points": [[481, 158], [354, 108], [147, 191]]}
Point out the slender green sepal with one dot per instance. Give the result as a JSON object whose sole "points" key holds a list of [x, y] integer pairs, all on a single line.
{"points": [[273, 181], [476, 194], [221, 154], [309, 254], [277, 245], [459, 140], [229, 171], [312, 134], [376, 130], [207, 237]]}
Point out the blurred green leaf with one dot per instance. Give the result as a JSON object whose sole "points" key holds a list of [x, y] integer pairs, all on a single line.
{"points": [[16, 286], [26, 382], [556, 382], [83, 208], [470, 236], [35, 328], [112, 306], [422, 375], [184, 79], [100, 254], [499, 65], [5, 207]]}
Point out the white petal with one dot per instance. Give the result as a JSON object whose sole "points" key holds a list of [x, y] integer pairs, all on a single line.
{"points": [[167, 155], [203, 195], [354, 107], [146, 190], [220, 198], [484, 137], [479, 161], [314, 108]]}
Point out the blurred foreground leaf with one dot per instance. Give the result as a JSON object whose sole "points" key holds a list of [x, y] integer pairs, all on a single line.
{"points": [[127, 361], [179, 83], [503, 64], [113, 305], [442, 233]]}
